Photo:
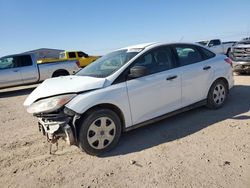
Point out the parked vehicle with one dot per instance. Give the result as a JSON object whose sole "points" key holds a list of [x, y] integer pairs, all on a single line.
{"points": [[241, 56], [22, 69], [129, 88], [217, 46], [83, 58]]}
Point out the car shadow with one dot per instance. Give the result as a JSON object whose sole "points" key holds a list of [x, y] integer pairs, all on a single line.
{"points": [[184, 124], [16, 92], [242, 117]]}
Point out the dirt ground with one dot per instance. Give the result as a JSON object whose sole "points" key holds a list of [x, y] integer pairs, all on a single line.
{"points": [[199, 148]]}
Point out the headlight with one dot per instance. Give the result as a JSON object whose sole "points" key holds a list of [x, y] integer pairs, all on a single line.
{"points": [[50, 104]]}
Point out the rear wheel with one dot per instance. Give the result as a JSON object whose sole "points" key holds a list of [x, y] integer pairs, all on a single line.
{"points": [[217, 94], [100, 131]]}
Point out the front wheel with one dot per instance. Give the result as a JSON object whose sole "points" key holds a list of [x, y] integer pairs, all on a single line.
{"points": [[100, 131], [217, 94]]}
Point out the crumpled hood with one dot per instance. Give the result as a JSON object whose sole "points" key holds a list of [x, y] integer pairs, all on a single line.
{"points": [[64, 84]]}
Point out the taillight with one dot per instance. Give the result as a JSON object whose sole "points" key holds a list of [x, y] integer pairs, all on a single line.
{"points": [[78, 64], [229, 61]]}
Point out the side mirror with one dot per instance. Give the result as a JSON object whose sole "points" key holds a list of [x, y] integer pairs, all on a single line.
{"points": [[138, 71]]}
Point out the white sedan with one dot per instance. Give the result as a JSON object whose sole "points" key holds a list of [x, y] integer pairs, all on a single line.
{"points": [[126, 89]]}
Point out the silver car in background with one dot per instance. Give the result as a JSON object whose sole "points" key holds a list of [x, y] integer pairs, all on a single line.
{"points": [[22, 69]]}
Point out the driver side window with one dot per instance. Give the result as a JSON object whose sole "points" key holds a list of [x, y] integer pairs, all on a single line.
{"points": [[7, 63], [157, 60]]}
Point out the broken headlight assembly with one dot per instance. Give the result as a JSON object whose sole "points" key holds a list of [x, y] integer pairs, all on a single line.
{"points": [[50, 104]]}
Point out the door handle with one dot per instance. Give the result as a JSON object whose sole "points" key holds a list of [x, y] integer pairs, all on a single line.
{"points": [[171, 77], [206, 67], [16, 70]]}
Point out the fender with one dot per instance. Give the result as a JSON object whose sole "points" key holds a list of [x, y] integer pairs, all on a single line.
{"points": [[222, 72], [117, 96]]}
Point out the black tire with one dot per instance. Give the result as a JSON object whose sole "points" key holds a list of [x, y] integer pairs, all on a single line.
{"points": [[85, 132], [215, 101]]}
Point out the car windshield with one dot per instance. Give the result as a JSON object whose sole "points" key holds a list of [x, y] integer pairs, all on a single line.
{"points": [[108, 64]]}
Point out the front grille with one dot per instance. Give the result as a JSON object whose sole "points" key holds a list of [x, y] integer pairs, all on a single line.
{"points": [[241, 54]]}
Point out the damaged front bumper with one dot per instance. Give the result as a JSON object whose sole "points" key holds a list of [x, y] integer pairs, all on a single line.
{"points": [[58, 125]]}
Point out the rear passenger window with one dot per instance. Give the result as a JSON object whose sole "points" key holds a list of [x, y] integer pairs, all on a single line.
{"points": [[187, 54], [206, 54], [24, 60], [72, 55]]}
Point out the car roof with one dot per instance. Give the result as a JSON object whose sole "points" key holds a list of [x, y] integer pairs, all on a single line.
{"points": [[156, 44], [13, 55]]}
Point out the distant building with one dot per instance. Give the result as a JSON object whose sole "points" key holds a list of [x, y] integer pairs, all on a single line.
{"points": [[42, 53]]}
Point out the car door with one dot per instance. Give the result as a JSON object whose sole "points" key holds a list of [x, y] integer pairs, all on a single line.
{"points": [[158, 92], [9, 72], [196, 72], [28, 69]]}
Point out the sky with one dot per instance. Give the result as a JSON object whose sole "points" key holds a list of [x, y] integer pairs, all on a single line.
{"points": [[98, 27]]}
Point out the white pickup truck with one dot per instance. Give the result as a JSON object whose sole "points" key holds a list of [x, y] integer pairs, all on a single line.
{"points": [[22, 69], [217, 46]]}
